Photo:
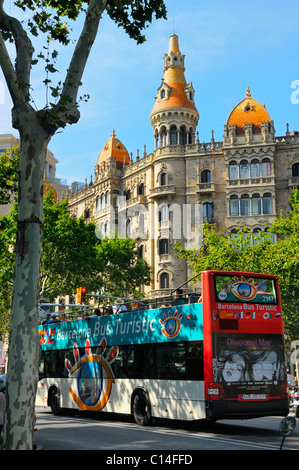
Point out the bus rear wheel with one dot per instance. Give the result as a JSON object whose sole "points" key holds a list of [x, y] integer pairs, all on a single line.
{"points": [[141, 408]]}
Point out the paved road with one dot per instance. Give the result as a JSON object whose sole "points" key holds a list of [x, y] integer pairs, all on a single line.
{"points": [[116, 434]]}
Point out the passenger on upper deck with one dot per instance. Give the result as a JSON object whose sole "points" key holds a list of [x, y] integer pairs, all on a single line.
{"points": [[178, 298], [108, 310], [54, 318], [119, 307], [47, 320]]}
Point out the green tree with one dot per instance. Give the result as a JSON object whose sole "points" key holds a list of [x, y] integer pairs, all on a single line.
{"points": [[72, 256], [9, 162], [245, 252], [283, 257], [7, 258], [69, 251], [49, 18], [124, 272]]}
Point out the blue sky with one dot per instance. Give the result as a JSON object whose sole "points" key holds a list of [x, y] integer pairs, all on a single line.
{"points": [[227, 45]]}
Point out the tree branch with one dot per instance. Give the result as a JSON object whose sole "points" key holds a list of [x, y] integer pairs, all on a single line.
{"points": [[9, 72], [81, 53], [20, 79]]}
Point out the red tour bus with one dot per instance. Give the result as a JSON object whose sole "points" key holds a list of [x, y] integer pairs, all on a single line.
{"points": [[245, 369]]}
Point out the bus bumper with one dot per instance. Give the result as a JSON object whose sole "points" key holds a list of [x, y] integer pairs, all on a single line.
{"points": [[231, 409]]}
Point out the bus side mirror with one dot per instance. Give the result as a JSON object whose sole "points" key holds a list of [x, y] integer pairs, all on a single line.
{"points": [[287, 425]]}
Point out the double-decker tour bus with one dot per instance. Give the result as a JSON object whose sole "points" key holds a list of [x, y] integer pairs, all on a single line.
{"points": [[221, 357]]}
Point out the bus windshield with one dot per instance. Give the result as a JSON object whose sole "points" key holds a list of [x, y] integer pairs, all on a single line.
{"points": [[230, 288]]}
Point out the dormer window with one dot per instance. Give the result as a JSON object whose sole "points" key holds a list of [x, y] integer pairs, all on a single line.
{"points": [[163, 91], [189, 90]]}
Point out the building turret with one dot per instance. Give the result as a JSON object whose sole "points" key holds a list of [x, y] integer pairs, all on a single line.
{"points": [[174, 116]]}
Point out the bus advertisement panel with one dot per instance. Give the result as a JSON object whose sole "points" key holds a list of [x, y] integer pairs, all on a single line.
{"points": [[177, 323], [245, 363]]}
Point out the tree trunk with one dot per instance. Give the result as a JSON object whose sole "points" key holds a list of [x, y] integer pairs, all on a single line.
{"points": [[22, 376]]}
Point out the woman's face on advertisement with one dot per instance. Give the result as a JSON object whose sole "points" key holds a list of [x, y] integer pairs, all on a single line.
{"points": [[233, 369]]}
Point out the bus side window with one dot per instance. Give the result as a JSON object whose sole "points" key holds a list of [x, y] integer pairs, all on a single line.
{"points": [[49, 364], [42, 367], [194, 368], [119, 364]]}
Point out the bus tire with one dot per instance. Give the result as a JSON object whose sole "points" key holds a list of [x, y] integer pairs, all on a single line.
{"points": [[55, 402], [142, 408]]}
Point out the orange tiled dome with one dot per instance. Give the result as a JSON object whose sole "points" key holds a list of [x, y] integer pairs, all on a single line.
{"points": [[174, 78], [248, 111], [115, 149]]}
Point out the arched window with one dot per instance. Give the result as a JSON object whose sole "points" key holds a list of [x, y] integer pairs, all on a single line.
{"points": [[162, 94], [128, 228], [157, 140], [266, 167], [244, 169], [173, 135], [295, 169], [163, 212], [244, 204], [163, 246], [255, 233], [233, 170], [107, 199], [271, 235], [115, 198], [255, 168], [205, 176], [234, 233], [183, 136], [141, 223], [207, 212], [127, 194], [164, 179], [256, 204], [140, 189], [164, 281], [267, 203], [163, 137], [98, 203], [234, 205], [140, 251]]}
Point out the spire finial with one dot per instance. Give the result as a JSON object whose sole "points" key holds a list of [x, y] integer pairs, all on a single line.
{"points": [[113, 133], [173, 44], [248, 94]]}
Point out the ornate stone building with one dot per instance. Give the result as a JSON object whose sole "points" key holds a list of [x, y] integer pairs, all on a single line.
{"points": [[244, 180]]}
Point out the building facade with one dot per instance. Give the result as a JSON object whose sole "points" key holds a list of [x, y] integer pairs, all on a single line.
{"points": [[244, 180], [60, 188]]}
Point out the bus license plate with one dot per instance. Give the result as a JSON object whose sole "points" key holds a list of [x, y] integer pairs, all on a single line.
{"points": [[254, 396]]}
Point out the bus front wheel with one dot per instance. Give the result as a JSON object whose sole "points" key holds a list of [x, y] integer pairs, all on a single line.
{"points": [[141, 408]]}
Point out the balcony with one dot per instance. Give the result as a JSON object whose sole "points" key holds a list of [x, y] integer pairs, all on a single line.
{"points": [[140, 199], [293, 181], [205, 188], [259, 181], [162, 191]]}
